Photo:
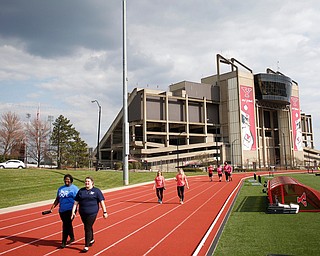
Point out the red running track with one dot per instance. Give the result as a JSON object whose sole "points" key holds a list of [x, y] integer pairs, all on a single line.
{"points": [[137, 224]]}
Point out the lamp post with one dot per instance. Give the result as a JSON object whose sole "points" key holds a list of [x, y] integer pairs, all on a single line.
{"points": [[284, 150], [178, 141], [232, 152], [99, 120], [216, 138], [178, 152]]}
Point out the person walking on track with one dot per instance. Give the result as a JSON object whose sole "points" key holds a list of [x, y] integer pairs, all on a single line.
{"points": [[182, 181], [228, 171], [159, 185], [210, 172], [219, 171], [65, 199], [88, 199]]}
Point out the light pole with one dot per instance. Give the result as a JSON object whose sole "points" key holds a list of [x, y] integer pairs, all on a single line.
{"points": [[99, 120], [178, 142], [232, 152], [216, 138], [178, 153], [284, 150], [125, 123]]}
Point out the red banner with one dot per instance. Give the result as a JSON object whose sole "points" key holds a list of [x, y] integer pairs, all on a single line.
{"points": [[248, 126], [296, 124]]}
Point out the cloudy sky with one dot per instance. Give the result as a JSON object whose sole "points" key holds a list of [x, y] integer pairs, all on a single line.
{"points": [[61, 55]]}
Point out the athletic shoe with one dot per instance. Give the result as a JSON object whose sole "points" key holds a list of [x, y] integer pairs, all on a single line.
{"points": [[181, 202], [85, 249], [63, 245], [160, 202], [71, 240], [91, 242]]}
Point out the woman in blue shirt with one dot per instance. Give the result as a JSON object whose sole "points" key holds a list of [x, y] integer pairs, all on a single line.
{"points": [[89, 198], [65, 199]]}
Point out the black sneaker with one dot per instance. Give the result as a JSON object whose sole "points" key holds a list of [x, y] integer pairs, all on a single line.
{"points": [[85, 249], [71, 240]]}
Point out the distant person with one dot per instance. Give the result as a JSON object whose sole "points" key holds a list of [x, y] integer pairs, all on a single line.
{"points": [[89, 198], [65, 199], [159, 185], [227, 171], [219, 171], [210, 172], [182, 181]]}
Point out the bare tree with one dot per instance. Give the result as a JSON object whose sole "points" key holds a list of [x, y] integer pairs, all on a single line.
{"points": [[11, 133], [37, 139]]}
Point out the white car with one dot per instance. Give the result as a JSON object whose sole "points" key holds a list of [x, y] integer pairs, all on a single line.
{"points": [[10, 164]]}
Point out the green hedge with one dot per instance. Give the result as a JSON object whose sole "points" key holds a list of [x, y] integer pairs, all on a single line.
{"points": [[192, 170]]}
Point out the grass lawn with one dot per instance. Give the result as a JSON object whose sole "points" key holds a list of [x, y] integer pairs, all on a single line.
{"points": [[250, 231], [34, 185]]}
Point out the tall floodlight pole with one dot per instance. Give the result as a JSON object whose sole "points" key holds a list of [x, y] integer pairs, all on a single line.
{"points": [[99, 124], [125, 131]]}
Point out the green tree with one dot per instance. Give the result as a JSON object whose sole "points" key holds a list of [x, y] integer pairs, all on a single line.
{"points": [[77, 154], [70, 149]]}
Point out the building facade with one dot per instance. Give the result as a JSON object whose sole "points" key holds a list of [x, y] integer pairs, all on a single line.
{"points": [[251, 120]]}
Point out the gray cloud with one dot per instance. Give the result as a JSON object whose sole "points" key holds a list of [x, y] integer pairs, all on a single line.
{"points": [[55, 28], [66, 53]]}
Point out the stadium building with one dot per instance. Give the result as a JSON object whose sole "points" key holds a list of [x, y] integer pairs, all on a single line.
{"points": [[251, 120]]}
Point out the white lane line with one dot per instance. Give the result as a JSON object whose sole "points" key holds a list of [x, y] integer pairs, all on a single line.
{"points": [[160, 241], [149, 223], [36, 240], [203, 240]]}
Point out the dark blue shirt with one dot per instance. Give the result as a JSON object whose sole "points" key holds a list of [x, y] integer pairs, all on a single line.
{"points": [[89, 201]]}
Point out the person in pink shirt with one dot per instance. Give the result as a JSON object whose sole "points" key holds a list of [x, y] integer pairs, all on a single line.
{"points": [[228, 171], [182, 181], [159, 185], [219, 171], [210, 172]]}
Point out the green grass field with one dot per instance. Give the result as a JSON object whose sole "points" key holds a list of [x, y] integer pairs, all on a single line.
{"points": [[250, 231]]}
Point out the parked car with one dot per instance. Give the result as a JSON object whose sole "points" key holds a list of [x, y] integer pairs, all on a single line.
{"points": [[10, 164]]}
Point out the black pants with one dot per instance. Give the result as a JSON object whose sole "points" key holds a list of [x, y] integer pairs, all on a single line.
{"points": [[88, 222], [227, 175], [180, 190], [160, 193], [67, 228]]}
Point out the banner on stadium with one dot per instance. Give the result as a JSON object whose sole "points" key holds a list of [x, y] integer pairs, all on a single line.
{"points": [[248, 126]]}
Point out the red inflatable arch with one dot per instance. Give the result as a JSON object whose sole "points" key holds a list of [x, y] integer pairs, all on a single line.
{"points": [[286, 190]]}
